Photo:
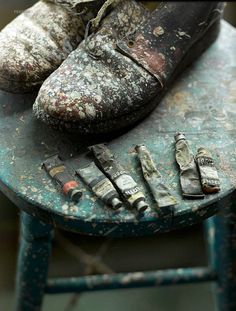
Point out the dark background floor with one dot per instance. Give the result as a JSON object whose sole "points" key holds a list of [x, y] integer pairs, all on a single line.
{"points": [[178, 249]]}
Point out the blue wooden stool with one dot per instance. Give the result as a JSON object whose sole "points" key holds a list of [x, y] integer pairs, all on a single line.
{"points": [[201, 104]]}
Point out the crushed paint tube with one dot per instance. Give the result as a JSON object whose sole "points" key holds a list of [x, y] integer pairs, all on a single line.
{"points": [[189, 176], [153, 177], [59, 173], [208, 172], [100, 185], [120, 177]]}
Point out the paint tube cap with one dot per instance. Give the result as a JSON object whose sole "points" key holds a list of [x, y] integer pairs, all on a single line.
{"points": [[116, 203], [179, 136], [75, 195], [141, 206]]}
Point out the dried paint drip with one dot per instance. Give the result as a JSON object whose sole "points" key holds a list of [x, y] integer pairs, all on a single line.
{"points": [[154, 180], [208, 172], [58, 172], [189, 176], [120, 177], [100, 185]]}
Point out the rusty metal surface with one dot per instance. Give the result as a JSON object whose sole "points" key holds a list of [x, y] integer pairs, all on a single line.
{"points": [[201, 104]]}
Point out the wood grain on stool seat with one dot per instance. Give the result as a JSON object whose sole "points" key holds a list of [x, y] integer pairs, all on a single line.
{"points": [[201, 104]]}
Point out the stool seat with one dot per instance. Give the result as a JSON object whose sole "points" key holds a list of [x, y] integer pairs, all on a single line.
{"points": [[201, 104]]}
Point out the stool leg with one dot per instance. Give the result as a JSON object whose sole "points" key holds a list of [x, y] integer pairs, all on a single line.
{"points": [[221, 237], [33, 261]]}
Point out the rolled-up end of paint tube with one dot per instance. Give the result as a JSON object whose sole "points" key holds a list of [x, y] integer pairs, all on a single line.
{"points": [[116, 203], [141, 206], [203, 152]]}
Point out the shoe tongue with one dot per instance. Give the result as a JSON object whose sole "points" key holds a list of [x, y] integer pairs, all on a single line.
{"points": [[77, 5], [123, 19]]}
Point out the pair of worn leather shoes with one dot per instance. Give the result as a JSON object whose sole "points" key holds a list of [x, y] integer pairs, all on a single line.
{"points": [[107, 81]]}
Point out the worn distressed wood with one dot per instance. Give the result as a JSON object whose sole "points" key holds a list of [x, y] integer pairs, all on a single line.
{"points": [[33, 262], [201, 104], [221, 241], [131, 280]]}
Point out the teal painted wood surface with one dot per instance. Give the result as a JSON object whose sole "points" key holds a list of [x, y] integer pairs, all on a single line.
{"points": [[33, 263], [201, 104], [131, 280]]}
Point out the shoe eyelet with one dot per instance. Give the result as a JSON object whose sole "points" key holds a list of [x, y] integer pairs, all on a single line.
{"points": [[131, 44]]}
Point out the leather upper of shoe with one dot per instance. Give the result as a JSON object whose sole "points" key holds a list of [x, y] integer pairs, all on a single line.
{"points": [[121, 67], [96, 81], [160, 44], [77, 6], [37, 41]]}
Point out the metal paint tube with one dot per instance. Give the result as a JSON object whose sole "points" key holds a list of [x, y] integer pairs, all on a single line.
{"points": [[100, 185], [120, 177], [208, 172], [59, 173], [189, 176], [154, 179]]}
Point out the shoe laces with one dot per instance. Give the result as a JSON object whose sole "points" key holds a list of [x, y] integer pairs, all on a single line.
{"points": [[71, 5], [94, 24]]}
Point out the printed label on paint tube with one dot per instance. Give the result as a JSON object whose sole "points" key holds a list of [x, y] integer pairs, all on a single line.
{"points": [[100, 185], [208, 172], [58, 172], [189, 176], [103, 188], [153, 178], [124, 182], [127, 184]]}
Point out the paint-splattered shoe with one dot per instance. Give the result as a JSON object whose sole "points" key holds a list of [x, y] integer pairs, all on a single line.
{"points": [[109, 81], [35, 43]]}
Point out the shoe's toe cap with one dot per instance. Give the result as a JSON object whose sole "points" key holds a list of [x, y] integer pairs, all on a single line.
{"points": [[34, 44], [18, 71], [87, 93]]}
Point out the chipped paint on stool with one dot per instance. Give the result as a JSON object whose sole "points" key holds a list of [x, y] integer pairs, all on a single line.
{"points": [[201, 104]]}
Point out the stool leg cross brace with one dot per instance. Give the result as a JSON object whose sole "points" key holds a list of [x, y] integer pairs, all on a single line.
{"points": [[35, 248]]}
